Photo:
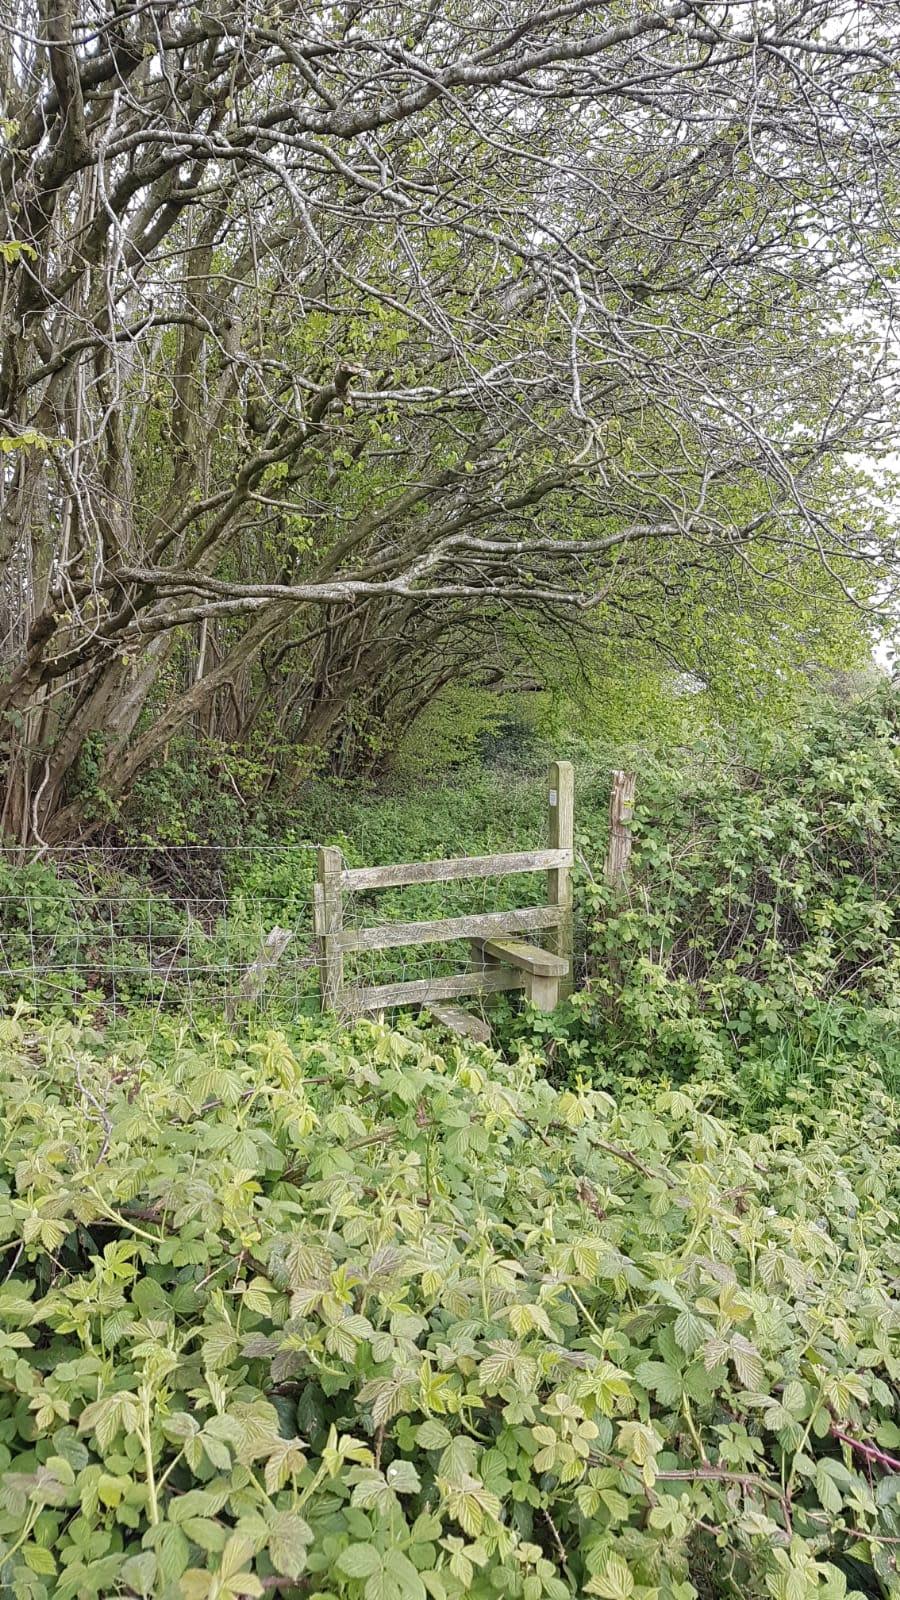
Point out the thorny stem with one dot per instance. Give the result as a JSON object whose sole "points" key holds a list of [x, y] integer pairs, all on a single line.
{"points": [[122, 1221], [29, 1523], [707, 1474], [692, 1427], [584, 1310], [870, 1451]]}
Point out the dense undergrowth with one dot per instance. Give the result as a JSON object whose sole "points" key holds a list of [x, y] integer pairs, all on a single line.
{"points": [[610, 1309], [364, 1317], [760, 931], [175, 926], [758, 940]]}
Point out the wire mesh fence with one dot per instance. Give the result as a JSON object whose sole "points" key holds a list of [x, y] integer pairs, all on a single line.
{"points": [[114, 929], [207, 930]]}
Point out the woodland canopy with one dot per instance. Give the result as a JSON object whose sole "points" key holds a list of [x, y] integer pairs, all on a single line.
{"points": [[355, 351]]}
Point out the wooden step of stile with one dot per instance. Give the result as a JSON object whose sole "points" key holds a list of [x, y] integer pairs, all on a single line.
{"points": [[462, 1023]]}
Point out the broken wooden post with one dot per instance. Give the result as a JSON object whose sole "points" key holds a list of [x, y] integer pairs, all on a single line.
{"points": [[621, 812], [257, 974], [561, 812]]}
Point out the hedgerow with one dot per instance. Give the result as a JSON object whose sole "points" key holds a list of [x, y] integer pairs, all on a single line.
{"points": [[758, 938], [347, 1317]]}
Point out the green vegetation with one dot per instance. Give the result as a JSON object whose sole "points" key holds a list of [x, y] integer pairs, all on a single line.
{"points": [[396, 1321], [761, 936], [395, 397], [610, 1309]]}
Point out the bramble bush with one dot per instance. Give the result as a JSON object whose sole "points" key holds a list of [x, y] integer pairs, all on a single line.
{"points": [[759, 937], [362, 1317]]}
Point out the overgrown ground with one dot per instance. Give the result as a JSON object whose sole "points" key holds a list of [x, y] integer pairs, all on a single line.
{"points": [[611, 1308]]}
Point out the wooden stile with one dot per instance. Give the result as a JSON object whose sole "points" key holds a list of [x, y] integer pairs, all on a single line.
{"points": [[482, 925], [463, 1023], [503, 866], [500, 961], [420, 991], [528, 958], [544, 970]]}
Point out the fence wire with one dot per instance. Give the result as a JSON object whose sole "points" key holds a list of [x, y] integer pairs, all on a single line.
{"points": [[208, 931], [118, 929]]}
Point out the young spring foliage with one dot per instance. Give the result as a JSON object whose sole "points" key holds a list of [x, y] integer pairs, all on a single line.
{"points": [[759, 935], [352, 1319]]}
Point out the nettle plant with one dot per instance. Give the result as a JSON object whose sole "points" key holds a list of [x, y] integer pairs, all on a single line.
{"points": [[348, 1318]]}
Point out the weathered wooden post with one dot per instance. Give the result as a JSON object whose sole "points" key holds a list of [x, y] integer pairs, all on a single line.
{"points": [[621, 812], [561, 810], [257, 974], [328, 911]]}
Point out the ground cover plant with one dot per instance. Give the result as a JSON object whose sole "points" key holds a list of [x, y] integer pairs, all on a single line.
{"points": [[366, 1317]]}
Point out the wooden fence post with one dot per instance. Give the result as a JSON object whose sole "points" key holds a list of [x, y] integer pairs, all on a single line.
{"points": [[621, 811], [561, 809], [329, 921]]}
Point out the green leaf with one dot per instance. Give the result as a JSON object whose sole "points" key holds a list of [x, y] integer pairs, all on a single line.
{"points": [[381, 1586], [106, 1417], [171, 1548], [747, 1362], [827, 1490], [691, 1331], [39, 1559], [209, 1535], [359, 1560], [662, 1380], [289, 1539], [432, 1435], [406, 1577], [372, 1492], [139, 1572], [613, 1581], [403, 1478], [286, 1460]]}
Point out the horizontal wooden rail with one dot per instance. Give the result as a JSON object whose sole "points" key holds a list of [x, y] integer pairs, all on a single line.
{"points": [[500, 958], [481, 925], [393, 877], [526, 957], [420, 991]]}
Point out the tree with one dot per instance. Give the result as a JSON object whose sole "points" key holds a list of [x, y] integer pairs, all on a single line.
{"points": [[335, 337]]}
